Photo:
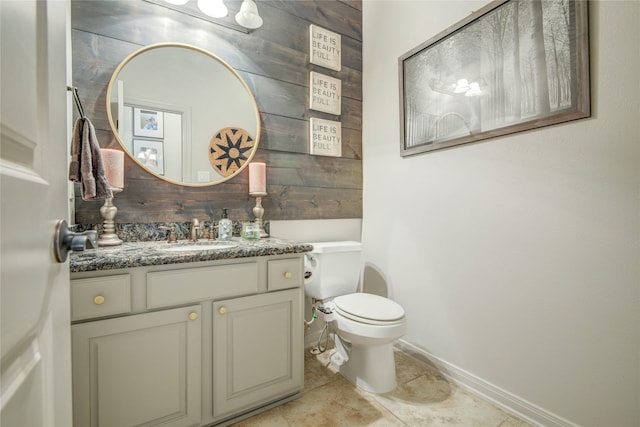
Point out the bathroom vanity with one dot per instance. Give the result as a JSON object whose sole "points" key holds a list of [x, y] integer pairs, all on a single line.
{"points": [[185, 337]]}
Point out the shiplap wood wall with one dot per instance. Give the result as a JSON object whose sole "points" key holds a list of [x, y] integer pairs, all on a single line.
{"points": [[274, 61]]}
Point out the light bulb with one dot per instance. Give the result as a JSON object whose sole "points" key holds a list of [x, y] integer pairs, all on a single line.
{"points": [[213, 8], [177, 2], [462, 86]]}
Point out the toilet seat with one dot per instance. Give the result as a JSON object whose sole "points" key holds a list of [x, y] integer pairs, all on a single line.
{"points": [[369, 309]]}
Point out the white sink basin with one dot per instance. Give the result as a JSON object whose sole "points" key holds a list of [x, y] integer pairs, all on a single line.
{"points": [[200, 246]]}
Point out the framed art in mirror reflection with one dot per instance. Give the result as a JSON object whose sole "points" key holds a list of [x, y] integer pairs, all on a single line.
{"points": [[148, 123], [150, 153]]}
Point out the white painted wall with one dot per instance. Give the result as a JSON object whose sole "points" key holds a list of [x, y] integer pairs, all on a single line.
{"points": [[516, 259]]}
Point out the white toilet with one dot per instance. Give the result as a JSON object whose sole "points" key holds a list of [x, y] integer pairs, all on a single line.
{"points": [[366, 325]]}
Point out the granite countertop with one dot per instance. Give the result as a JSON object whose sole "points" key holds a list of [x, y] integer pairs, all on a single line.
{"points": [[139, 254]]}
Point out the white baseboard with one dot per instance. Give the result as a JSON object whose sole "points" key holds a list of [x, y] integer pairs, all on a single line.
{"points": [[496, 395]]}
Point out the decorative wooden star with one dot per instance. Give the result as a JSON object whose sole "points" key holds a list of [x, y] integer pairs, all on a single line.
{"points": [[229, 149]]}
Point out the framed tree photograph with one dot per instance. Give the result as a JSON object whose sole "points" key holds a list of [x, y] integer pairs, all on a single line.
{"points": [[511, 66], [148, 123], [150, 153]]}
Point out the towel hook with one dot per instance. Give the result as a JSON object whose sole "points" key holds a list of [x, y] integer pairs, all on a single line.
{"points": [[76, 98]]}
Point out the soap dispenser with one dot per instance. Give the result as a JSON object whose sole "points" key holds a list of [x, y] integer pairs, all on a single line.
{"points": [[225, 229]]}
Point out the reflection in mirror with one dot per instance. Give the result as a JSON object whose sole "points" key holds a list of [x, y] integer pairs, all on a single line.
{"points": [[183, 114]]}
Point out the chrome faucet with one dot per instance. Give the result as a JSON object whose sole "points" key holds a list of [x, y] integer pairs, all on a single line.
{"points": [[193, 230]]}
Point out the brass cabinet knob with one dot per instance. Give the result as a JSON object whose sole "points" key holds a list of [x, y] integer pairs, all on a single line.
{"points": [[98, 300], [287, 275], [222, 310], [193, 316]]}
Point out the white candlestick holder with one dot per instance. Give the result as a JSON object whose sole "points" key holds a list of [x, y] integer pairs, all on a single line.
{"points": [[258, 212], [108, 212]]}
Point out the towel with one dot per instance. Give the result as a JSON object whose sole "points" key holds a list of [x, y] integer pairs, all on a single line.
{"points": [[86, 164]]}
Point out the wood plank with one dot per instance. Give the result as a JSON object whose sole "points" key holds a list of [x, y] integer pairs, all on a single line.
{"points": [[274, 61], [279, 50], [311, 171], [95, 58], [294, 203], [285, 202], [339, 17], [285, 99], [292, 135]]}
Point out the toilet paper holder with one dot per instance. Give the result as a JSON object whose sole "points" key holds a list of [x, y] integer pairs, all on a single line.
{"points": [[310, 264]]}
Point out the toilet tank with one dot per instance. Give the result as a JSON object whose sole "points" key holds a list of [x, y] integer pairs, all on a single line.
{"points": [[332, 269]]}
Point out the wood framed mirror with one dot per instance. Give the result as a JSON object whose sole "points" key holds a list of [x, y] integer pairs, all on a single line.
{"points": [[183, 114]]}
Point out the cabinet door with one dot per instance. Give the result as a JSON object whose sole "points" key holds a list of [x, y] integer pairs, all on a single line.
{"points": [[257, 350], [138, 370]]}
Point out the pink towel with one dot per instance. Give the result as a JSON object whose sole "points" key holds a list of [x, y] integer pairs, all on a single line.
{"points": [[86, 164]]}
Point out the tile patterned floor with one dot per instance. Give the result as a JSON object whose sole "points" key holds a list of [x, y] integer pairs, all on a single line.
{"points": [[423, 398]]}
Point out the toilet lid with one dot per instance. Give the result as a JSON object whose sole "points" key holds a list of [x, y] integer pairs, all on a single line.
{"points": [[369, 308]]}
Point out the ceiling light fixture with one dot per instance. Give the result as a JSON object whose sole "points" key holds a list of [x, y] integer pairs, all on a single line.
{"points": [[462, 86], [248, 16], [215, 11]]}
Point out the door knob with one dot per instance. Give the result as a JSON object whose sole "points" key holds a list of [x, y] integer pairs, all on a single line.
{"points": [[65, 241], [222, 310]]}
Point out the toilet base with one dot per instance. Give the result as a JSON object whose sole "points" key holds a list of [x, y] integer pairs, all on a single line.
{"points": [[371, 368]]}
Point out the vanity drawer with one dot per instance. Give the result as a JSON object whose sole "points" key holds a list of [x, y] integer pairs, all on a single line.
{"points": [[100, 296], [284, 273], [175, 287]]}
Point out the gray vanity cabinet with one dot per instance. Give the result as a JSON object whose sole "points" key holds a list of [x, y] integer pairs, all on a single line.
{"points": [[138, 370], [192, 344], [257, 350]]}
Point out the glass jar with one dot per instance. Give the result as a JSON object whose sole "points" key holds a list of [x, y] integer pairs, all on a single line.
{"points": [[250, 231]]}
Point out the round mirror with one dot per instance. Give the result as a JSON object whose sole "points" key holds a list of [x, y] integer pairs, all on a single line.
{"points": [[183, 114]]}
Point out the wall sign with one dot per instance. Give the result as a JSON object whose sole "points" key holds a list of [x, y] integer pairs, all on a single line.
{"points": [[325, 48], [326, 94], [326, 138]]}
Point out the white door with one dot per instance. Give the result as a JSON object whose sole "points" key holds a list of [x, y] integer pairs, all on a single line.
{"points": [[35, 351]]}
